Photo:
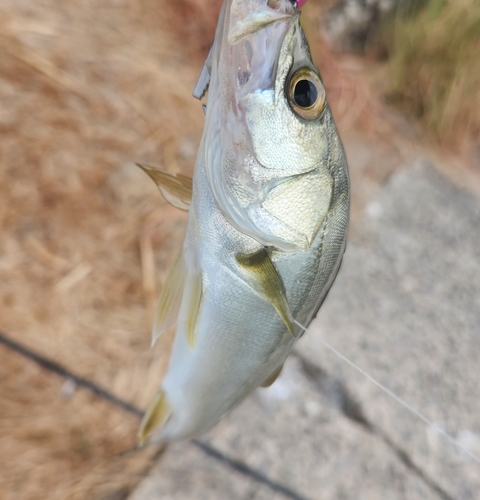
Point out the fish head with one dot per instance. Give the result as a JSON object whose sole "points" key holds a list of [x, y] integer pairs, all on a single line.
{"points": [[268, 125]]}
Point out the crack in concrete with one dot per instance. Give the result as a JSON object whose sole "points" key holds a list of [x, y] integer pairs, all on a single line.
{"points": [[339, 396], [237, 465], [333, 389]]}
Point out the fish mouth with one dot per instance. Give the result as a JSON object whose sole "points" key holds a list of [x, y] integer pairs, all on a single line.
{"points": [[247, 17], [242, 20]]}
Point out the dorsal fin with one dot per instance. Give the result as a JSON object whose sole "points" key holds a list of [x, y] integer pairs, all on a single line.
{"points": [[268, 282], [204, 79], [175, 188], [170, 298]]}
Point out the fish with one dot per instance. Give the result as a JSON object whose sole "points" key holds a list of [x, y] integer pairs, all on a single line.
{"points": [[268, 213]]}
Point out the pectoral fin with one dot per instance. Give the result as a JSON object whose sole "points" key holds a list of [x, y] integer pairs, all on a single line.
{"points": [[268, 282], [170, 299], [156, 415], [175, 188]]}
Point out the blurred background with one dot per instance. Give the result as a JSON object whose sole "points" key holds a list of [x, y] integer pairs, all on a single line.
{"points": [[89, 87]]}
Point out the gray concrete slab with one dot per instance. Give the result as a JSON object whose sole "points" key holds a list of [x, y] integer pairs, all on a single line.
{"points": [[186, 473], [406, 308], [295, 434]]}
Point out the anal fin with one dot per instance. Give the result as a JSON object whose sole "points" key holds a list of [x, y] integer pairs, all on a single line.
{"points": [[175, 188], [195, 301], [268, 282], [170, 299], [272, 377]]}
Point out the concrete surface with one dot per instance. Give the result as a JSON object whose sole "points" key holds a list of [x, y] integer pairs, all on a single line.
{"points": [[406, 308]]}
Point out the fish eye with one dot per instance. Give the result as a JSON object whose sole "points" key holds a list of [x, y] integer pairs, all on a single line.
{"points": [[306, 94]]}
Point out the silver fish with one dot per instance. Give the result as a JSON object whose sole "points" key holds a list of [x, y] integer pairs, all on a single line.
{"points": [[267, 220]]}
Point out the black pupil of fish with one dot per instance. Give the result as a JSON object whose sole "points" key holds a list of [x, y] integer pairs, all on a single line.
{"points": [[305, 93]]}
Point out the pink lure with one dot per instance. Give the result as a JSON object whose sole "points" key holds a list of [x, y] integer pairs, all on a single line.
{"points": [[301, 3]]}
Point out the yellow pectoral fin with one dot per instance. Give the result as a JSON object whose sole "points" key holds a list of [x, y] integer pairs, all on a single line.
{"points": [[272, 377], [268, 282], [170, 299], [156, 416], [175, 188]]}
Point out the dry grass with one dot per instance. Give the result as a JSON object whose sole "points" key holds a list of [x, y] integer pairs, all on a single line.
{"points": [[87, 88], [435, 68]]}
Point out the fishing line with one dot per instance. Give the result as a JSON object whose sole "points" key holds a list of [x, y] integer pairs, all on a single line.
{"points": [[390, 393]]}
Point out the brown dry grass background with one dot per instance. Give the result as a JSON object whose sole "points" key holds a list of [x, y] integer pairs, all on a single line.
{"points": [[434, 69], [88, 87]]}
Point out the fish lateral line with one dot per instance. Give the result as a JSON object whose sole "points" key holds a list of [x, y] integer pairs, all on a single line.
{"points": [[394, 396]]}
